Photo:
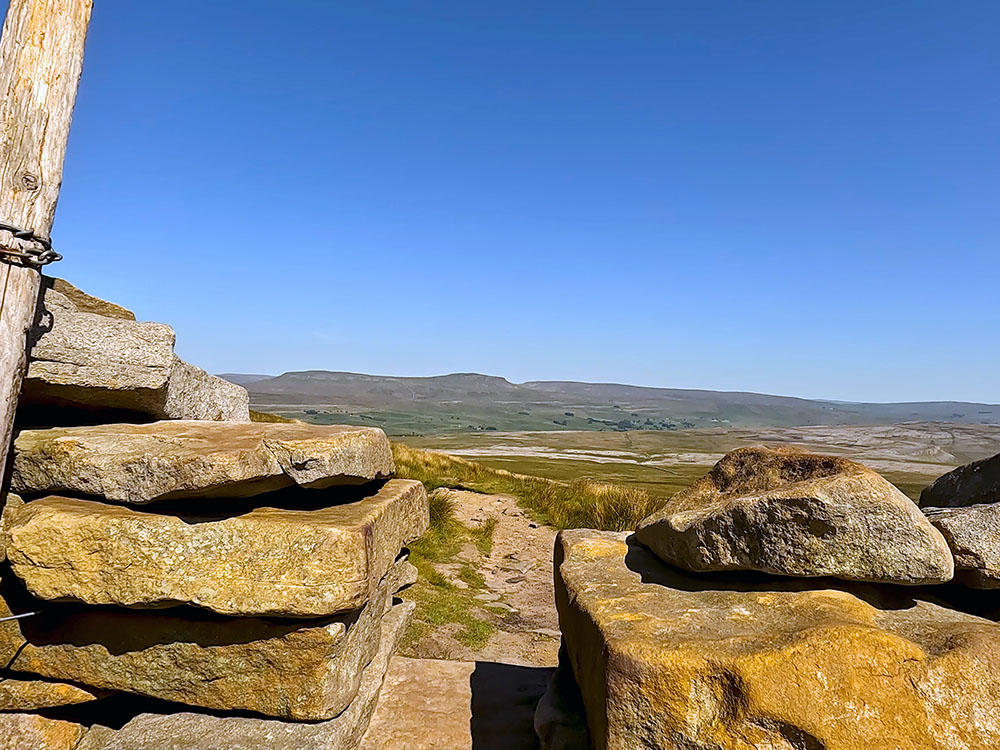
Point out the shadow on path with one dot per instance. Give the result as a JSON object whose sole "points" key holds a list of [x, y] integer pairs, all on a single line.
{"points": [[504, 697]]}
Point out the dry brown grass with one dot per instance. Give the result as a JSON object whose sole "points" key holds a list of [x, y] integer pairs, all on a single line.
{"points": [[579, 504], [263, 416]]}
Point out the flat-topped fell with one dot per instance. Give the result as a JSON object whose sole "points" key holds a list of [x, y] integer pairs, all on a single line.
{"points": [[144, 463]]}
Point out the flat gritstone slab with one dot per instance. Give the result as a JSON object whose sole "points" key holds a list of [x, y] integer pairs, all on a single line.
{"points": [[667, 659], [301, 670], [192, 730], [269, 561], [181, 459]]}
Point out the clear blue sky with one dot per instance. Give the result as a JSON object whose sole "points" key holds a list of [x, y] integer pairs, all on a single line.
{"points": [[784, 196]]}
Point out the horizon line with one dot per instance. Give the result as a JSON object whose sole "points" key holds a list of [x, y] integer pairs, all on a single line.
{"points": [[612, 383]]}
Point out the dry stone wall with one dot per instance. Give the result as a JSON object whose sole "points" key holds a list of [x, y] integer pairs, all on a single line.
{"points": [[205, 583], [88, 357]]}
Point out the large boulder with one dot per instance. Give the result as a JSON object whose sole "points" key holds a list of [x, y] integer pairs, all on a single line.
{"points": [[269, 561], [93, 355], [27, 731], [292, 669], [973, 534], [144, 463], [668, 660], [788, 512], [972, 484], [191, 393], [204, 731]]}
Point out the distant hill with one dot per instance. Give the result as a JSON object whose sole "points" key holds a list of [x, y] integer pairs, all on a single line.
{"points": [[239, 379], [470, 401]]}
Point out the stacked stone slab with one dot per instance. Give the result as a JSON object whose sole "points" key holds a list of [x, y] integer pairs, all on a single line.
{"points": [[226, 567], [90, 358], [781, 602], [203, 582]]}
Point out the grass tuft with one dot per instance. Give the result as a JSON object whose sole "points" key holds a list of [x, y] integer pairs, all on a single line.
{"points": [[263, 416], [442, 510], [472, 577], [445, 535], [482, 535], [439, 601]]}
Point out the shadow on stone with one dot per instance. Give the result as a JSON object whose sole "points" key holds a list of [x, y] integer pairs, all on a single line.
{"points": [[504, 697], [196, 511], [561, 717], [37, 413], [119, 630], [883, 596]]}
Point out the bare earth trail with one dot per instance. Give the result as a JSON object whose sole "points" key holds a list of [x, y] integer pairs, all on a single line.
{"points": [[458, 698], [518, 578]]}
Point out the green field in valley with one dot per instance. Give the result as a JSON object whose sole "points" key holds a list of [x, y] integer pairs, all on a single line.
{"points": [[911, 456]]}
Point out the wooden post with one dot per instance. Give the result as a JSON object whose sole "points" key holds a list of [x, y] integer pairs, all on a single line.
{"points": [[41, 56]]}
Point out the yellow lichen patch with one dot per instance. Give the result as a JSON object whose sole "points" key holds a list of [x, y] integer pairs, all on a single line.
{"points": [[269, 561], [599, 548], [683, 661]]}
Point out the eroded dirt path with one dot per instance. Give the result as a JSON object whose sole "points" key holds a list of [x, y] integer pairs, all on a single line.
{"points": [[458, 697], [517, 594]]}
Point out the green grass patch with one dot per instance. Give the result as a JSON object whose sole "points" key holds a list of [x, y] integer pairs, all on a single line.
{"points": [[445, 535], [472, 577], [439, 601], [482, 535], [437, 606]]}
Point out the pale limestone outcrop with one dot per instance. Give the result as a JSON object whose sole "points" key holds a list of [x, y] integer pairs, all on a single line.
{"points": [[143, 463], [788, 512]]}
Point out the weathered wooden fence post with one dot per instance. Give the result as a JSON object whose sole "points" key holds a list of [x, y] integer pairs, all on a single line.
{"points": [[41, 56]]}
